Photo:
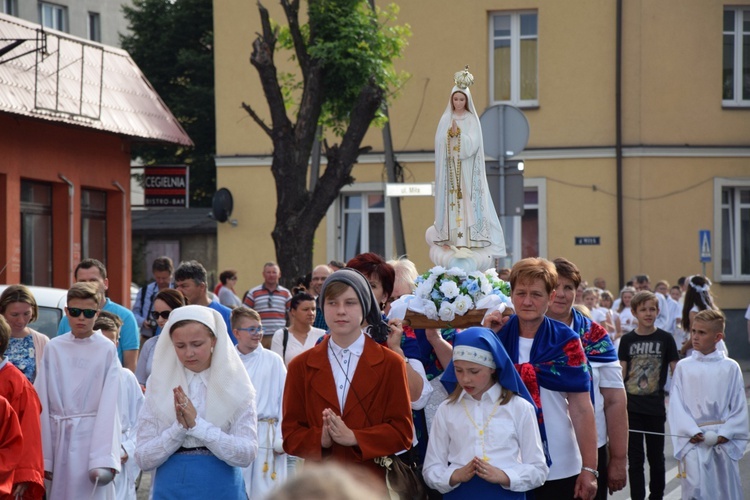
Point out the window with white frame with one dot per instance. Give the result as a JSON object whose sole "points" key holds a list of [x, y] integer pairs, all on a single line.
{"points": [[734, 228], [53, 16], [513, 58], [735, 82], [95, 27], [362, 224], [10, 7]]}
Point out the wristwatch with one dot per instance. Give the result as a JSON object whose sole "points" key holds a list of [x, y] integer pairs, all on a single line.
{"points": [[593, 471]]}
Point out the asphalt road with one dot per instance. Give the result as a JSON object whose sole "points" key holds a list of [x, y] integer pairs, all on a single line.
{"points": [[672, 491]]}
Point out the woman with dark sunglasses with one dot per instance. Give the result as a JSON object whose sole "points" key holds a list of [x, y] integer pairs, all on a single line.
{"points": [[164, 303]]}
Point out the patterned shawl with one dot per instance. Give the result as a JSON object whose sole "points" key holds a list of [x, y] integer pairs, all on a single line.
{"points": [[557, 361]]}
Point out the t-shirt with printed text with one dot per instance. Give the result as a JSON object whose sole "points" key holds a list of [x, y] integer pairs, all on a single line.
{"points": [[647, 359]]}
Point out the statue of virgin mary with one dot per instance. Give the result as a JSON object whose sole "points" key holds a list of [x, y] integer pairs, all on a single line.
{"points": [[467, 231]]}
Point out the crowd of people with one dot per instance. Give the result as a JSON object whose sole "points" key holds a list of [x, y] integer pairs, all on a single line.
{"points": [[221, 396]]}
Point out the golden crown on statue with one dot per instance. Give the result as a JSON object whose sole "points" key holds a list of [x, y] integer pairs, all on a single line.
{"points": [[463, 78]]}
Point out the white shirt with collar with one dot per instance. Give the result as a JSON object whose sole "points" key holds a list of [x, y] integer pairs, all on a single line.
{"points": [[344, 364], [510, 437]]}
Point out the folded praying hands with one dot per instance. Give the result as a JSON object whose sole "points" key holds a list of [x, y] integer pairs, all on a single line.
{"points": [[184, 409], [336, 431]]}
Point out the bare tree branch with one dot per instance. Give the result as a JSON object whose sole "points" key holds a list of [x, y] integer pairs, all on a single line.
{"points": [[269, 34], [262, 59], [291, 9], [258, 120]]}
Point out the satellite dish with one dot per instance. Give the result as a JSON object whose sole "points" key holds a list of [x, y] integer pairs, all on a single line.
{"points": [[222, 205]]}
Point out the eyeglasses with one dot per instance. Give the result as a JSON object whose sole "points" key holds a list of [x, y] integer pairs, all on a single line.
{"points": [[155, 315], [87, 313], [252, 330]]}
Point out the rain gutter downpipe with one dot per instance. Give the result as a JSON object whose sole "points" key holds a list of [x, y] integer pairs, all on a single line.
{"points": [[618, 145], [71, 198], [124, 226]]}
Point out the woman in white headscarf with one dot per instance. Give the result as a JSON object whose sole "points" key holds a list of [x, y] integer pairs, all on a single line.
{"points": [[198, 427], [464, 214]]}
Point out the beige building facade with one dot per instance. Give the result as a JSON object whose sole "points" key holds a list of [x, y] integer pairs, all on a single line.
{"points": [[684, 124]]}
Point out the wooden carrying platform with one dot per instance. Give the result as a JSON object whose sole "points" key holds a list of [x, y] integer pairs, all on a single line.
{"points": [[472, 317]]}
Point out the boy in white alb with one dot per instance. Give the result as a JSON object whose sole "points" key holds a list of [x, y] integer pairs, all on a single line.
{"points": [[79, 385], [707, 414], [268, 374], [130, 404]]}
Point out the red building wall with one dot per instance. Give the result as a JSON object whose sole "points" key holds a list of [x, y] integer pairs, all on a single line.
{"points": [[44, 151]]}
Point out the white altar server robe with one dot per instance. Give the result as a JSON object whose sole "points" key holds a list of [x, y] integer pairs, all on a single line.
{"points": [[268, 374], [131, 402], [708, 394], [78, 385]]}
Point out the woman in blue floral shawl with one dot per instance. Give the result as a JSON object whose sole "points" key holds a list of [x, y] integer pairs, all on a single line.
{"points": [[610, 401], [550, 359]]}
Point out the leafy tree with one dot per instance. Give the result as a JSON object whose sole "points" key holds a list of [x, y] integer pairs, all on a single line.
{"points": [[172, 43], [345, 55]]}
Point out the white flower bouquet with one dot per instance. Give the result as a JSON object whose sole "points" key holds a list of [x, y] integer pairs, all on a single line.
{"points": [[455, 298]]}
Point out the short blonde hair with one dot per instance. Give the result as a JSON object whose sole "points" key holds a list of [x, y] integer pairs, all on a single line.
{"points": [[714, 317], [86, 290], [244, 312], [406, 271], [591, 291], [641, 298], [534, 268]]}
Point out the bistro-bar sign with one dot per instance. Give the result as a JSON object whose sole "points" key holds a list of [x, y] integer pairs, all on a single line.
{"points": [[166, 186]]}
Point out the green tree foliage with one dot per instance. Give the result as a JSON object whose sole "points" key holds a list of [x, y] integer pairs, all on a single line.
{"points": [[345, 55], [172, 43]]}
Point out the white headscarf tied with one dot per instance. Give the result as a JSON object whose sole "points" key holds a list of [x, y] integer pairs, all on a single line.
{"points": [[229, 387]]}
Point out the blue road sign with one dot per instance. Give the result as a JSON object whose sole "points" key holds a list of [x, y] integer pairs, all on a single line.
{"points": [[704, 245]]}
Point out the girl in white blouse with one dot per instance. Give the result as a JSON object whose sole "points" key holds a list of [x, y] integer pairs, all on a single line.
{"points": [[484, 441], [198, 426]]}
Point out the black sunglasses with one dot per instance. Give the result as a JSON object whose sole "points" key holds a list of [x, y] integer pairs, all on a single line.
{"points": [[87, 313], [155, 315]]}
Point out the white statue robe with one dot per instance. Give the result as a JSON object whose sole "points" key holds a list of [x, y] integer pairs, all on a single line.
{"points": [[78, 385], [469, 221], [131, 402], [268, 374], [708, 394]]}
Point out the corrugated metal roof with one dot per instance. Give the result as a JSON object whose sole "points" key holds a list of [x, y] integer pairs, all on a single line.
{"points": [[81, 83]]}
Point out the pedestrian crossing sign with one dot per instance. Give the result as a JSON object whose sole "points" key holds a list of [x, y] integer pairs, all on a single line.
{"points": [[704, 242]]}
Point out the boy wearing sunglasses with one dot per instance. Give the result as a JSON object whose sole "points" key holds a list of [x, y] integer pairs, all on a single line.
{"points": [[78, 385]]}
